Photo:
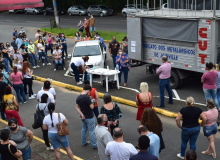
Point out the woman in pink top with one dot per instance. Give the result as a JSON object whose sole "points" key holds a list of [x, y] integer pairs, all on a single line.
{"points": [[49, 39], [209, 84], [210, 127], [18, 86]]}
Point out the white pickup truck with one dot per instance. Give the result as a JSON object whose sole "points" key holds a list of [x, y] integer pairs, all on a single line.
{"points": [[188, 37]]}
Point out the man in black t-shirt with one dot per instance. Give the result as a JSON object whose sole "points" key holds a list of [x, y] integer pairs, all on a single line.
{"points": [[85, 106], [113, 50], [4, 53], [2, 88]]}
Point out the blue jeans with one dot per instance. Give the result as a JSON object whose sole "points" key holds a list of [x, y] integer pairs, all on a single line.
{"points": [[96, 111], [56, 140], [165, 83], [191, 135], [46, 48], [26, 154], [10, 61], [88, 123], [218, 95], [114, 59], [40, 57], [76, 72], [33, 59], [58, 63], [211, 93], [19, 89], [125, 70], [2, 113], [6, 64], [64, 50]]}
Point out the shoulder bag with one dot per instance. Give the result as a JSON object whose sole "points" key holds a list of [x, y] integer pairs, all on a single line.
{"points": [[61, 127], [38, 118], [19, 158]]}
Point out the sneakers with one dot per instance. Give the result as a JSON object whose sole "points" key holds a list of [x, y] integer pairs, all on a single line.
{"points": [[64, 69], [179, 156], [20, 102], [64, 58], [50, 148], [34, 67], [34, 95], [87, 142], [43, 64], [49, 64], [37, 66], [31, 97], [25, 102], [80, 82], [68, 57], [54, 69]]}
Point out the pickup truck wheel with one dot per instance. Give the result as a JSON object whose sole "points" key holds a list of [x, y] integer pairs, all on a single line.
{"points": [[101, 14], [125, 14], [175, 81], [70, 14], [80, 14], [34, 13]]}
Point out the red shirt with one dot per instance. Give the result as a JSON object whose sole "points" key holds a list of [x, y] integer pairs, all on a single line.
{"points": [[92, 93]]}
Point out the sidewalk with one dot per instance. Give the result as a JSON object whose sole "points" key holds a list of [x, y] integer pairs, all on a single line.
{"points": [[39, 151]]}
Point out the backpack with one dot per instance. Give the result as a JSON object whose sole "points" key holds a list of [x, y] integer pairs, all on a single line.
{"points": [[9, 104], [38, 118]]}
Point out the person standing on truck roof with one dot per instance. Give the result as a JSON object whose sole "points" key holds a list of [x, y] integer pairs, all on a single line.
{"points": [[164, 72], [209, 84], [113, 49]]}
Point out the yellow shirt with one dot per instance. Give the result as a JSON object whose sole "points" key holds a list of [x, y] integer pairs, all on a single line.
{"points": [[36, 42], [8, 100]]}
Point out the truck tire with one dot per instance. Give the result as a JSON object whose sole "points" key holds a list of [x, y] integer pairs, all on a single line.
{"points": [[125, 14], [175, 81]]}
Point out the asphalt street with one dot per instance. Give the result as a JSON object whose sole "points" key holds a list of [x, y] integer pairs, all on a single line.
{"points": [[191, 86], [66, 21], [65, 103]]}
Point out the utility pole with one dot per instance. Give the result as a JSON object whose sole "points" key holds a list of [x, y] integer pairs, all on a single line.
{"points": [[56, 14]]}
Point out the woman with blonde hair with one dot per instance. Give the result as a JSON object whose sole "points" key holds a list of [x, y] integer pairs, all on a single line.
{"points": [[190, 126], [17, 64], [28, 80], [216, 67], [143, 100], [210, 128], [153, 123]]}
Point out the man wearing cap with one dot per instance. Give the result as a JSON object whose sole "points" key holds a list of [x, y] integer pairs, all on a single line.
{"points": [[37, 35], [84, 106]]}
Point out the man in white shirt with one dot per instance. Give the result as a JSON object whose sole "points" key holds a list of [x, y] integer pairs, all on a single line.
{"points": [[22, 30], [46, 90], [51, 90], [118, 149], [102, 135]]}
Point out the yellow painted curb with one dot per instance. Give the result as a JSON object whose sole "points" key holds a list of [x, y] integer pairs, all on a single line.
{"points": [[41, 140], [108, 41]]}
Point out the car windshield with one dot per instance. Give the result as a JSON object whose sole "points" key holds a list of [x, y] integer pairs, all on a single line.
{"points": [[86, 51], [103, 7], [81, 7]]}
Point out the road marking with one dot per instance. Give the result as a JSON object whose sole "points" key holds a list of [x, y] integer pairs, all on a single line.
{"points": [[9, 21], [176, 94], [41, 140]]}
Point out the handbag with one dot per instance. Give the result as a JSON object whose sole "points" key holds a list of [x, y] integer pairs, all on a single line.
{"points": [[62, 128], [38, 118], [19, 158]]}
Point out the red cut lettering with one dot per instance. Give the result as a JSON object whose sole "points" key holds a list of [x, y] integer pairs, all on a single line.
{"points": [[203, 47], [203, 35], [203, 56]]}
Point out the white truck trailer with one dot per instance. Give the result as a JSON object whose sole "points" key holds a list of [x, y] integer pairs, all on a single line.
{"points": [[188, 37]]}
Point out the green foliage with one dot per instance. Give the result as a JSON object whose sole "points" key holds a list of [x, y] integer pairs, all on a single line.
{"points": [[106, 35]]}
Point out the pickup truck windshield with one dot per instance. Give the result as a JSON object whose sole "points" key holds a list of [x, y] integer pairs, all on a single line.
{"points": [[86, 51]]}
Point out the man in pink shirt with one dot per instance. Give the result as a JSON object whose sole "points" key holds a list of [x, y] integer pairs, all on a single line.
{"points": [[164, 72]]}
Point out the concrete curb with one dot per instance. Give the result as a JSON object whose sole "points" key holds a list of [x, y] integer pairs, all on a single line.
{"points": [[101, 95], [108, 41]]}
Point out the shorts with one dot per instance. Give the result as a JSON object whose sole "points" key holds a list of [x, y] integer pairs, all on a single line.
{"points": [[80, 30], [92, 29], [210, 130], [57, 140]]}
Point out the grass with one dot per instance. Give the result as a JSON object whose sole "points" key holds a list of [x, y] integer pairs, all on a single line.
{"points": [[106, 35]]}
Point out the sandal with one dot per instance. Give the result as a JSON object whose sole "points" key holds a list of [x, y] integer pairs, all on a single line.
{"points": [[125, 85], [213, 155], [204, 152]]}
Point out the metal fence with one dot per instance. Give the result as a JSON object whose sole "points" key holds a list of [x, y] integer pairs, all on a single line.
{"points": [[181, 8]]}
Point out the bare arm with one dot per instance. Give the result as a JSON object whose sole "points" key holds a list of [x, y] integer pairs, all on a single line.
{"points": [[45, 127], [202, 81], [179, 116], [137, 103], [96, 95], [18, 153], [16, 103], [65, 122], [204, 119], [29, 135], [79, 111]]}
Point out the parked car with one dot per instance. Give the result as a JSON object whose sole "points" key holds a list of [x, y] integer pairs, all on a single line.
{"points": [[16, 11], [77, 10], [132, 9], [93, 49], [100, 10], [33, 10], [50, 11]]}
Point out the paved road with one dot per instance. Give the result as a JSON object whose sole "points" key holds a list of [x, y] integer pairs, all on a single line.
{"points": [[66, 105], [191, 86], [110, 23]]}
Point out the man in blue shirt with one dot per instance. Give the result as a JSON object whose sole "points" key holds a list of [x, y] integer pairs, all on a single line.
{"points": [[15, 33], [154, 140], [103, 43], [19, 41], [143, 154]]}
